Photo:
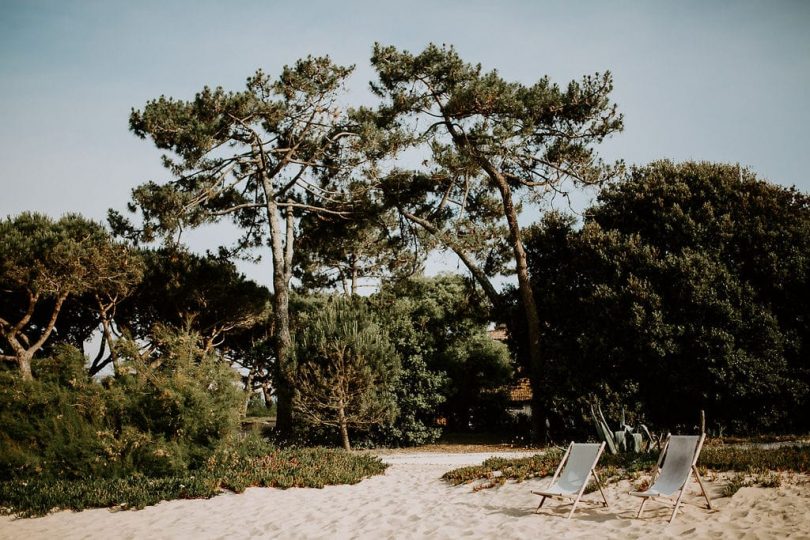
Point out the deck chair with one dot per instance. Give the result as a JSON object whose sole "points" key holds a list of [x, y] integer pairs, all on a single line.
{"points": [[679, 456], [580, 460]]}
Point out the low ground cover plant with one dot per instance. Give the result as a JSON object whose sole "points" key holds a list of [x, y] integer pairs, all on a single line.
{"points": [[755, 466], [247, 462]]}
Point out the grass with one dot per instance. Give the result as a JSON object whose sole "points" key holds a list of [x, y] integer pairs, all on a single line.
{"points": [[232, 469], [754, 466]]}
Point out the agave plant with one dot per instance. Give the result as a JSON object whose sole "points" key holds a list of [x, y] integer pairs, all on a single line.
{"points": [[627, 439]]}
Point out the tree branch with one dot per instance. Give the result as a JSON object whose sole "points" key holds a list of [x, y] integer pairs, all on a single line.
{"points": [[475, 270]]}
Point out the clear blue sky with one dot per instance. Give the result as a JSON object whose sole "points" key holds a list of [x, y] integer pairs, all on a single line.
{"points": [[706, 80]]}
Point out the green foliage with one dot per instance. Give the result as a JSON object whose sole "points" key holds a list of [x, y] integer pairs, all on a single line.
{"points": [[451, 366], [157, 418], [50, 257], [756, 459], [257, 406], [261, 158], [480, 371], [234, 466], [495, 147], [51, 425], [346, 368], [339, 253], [45, 263], [678, 294], [184, 394], [627, 439], [420, 388], [25, 498], [255, 123], [522, 135], [254, 462], [180, 289]]}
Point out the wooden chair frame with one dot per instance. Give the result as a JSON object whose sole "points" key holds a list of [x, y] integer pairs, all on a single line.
{"points": [[678, 501], [576, 498]]}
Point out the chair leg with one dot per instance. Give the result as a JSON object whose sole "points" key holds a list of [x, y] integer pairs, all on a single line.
{"points": [[641, 508], [541, 504], [702, 489], [599, 485], [574, 506], [677, 504]]}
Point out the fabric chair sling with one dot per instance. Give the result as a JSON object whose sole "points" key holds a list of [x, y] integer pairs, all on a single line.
{"points": [[579, 460], [679, 457]]}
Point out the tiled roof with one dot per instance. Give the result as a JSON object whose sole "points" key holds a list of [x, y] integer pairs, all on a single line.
{"points": [[498, 334], [521, 391]]}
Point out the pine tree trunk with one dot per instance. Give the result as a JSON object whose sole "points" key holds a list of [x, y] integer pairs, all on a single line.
{"points": [[281, 315], [354, 276], [248, 392], [344, 428], [536, 371], [110, 340], [282, 342]]}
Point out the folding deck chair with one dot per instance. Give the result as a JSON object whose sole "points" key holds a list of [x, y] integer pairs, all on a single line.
{"points": [[679, 456], [580, 460]]}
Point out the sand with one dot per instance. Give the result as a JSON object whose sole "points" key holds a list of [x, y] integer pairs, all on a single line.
{"points": [[410, 501]]}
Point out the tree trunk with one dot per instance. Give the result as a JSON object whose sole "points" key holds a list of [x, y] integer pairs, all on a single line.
{"points": [[24, 361], [524, 286], [281, 313], [282, 342], [267, 393], [110, 340], [526, 296], [530, 310], [347, 291], [344, 428], [354, 276], [248, 391], [25, 355]]}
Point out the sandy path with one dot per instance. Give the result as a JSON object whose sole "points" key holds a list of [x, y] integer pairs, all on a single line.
{"points": [[410, 501]]}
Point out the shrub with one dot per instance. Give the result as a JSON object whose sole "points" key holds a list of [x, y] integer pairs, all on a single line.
{"points": [[186, 394], [346, 368], [155, 419]]}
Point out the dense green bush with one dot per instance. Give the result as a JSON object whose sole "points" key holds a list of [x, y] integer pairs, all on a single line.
{"points": [[257, 406], [420, 389], [54, 425], [480, 370], [186, 394], [161, 416], [679, 293], [452, 367]]}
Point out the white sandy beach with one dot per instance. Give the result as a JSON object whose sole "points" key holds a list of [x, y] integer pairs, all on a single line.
{"points": [[410, 501]]}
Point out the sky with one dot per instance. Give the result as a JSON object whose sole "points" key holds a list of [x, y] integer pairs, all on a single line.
{"points": [[718, 80]]}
